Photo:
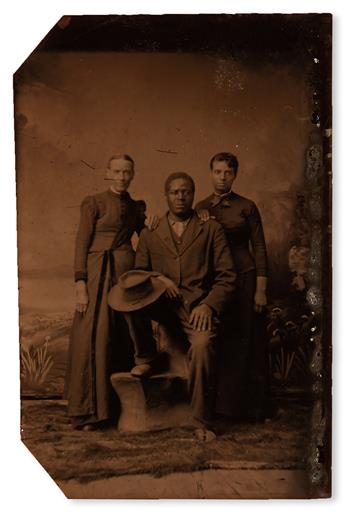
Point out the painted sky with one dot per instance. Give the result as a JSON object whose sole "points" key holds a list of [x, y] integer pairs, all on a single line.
{"points": [[74, 110]]}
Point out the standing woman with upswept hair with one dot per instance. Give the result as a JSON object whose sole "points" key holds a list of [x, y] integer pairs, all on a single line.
{"points": [[99, 341], [242, 370]]}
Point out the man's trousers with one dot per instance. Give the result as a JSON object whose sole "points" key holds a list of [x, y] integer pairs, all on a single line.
{"points": [[201, 351]]}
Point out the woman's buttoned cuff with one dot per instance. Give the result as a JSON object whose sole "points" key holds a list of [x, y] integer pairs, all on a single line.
{"points": [[261, 272], [80, 276]]}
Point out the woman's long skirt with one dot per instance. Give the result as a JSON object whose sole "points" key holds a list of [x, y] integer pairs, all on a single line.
{"points": [[99, 343], [242, 363]]}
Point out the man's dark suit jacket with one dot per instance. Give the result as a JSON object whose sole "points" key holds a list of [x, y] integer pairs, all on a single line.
{"points": [[202, 268]]}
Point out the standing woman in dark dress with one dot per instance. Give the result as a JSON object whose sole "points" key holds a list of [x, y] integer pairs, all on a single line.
{"points": [[242, 362], [103, 252]]}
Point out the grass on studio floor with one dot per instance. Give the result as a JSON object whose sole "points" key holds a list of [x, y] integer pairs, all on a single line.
{"points": [[86, 456]]}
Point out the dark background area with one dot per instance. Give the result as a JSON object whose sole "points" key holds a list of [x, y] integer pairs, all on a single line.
{"points": [[251, 37]]}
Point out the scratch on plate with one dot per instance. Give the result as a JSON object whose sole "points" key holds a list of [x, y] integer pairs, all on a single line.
{"points": [[167, 151], [91, 167]]}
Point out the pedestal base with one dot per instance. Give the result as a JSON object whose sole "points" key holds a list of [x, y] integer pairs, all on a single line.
{"points": [[156, 402]]}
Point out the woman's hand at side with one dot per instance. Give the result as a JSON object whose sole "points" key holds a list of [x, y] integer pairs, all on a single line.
{"points": [[260, 298], [82, 296], [260, 301]]}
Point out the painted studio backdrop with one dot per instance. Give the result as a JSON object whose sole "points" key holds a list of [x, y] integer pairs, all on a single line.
{"points": [[171, 111]]}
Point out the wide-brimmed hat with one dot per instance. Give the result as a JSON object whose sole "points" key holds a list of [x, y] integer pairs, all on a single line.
{"points": [[135, 290]]}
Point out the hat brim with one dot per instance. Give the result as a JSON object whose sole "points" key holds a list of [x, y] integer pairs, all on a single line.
{"points": [[117, 301]]}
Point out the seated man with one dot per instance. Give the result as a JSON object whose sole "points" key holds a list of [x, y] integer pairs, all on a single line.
{"points": [[193, 261]]}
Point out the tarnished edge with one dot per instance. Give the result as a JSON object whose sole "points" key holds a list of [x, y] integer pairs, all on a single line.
{"points": [[318, 175]]}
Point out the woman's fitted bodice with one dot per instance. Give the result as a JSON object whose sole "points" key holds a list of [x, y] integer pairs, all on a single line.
{"points": [[107, 221], [242, 224]]}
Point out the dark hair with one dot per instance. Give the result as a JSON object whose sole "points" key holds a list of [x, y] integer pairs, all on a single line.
{"points": [[177, 176], [225, 157], [120, 156]]}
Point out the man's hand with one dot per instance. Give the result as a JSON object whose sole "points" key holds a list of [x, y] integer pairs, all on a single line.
{"points": [[172, 291], [260, 301], [151, 221], [201, 318], [82, 297]]}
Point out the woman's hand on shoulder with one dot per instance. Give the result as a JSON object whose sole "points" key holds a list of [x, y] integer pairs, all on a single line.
{"points": [[82, 296], [151, 221], [204, 215]]}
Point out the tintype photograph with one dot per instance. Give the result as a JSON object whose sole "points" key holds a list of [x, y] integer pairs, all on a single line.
{"points": [[174, 209]]}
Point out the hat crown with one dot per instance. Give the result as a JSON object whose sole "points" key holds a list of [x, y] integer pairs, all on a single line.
{"points": [[136, 285], [134, 279], [134, 290]]}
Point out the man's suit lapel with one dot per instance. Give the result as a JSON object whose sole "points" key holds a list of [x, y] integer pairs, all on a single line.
{"points": [[193, 230], [164, 233]]}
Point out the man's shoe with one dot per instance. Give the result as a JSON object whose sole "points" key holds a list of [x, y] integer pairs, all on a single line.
{"points": [[205, 435], [141, 370], [203, 431], [89, 427]]}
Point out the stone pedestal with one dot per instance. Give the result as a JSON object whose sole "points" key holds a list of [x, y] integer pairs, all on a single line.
{"points": [[156, 402], [159, 401]]}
